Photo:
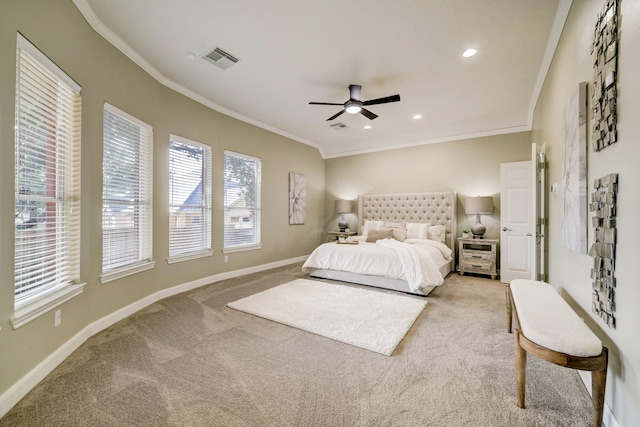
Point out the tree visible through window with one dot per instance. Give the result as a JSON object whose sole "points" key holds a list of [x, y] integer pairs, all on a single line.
{"points": [[189, 197], [126, 191], [242, 188], [47, 177]]}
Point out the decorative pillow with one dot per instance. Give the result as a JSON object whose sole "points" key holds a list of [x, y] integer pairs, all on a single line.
{"points": [[400, 234], [437, 233], [416, 230], [388, 224], [370, 225], [383, 233]]}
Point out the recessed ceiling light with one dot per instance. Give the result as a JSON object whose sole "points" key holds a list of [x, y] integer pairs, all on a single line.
{"points": [[417, 116], [191, 55], [469, 53], [367, 126]]}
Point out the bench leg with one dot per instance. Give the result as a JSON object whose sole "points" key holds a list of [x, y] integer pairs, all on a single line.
{"points": [[598, 383], [521, 368], [509, 309]]}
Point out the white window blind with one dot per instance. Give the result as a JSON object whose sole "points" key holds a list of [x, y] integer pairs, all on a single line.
{"points": [[126, 192], [190, 167], [47, 176], [242, 193]]}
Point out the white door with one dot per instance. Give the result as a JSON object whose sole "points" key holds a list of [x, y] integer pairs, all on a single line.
{"points": [[517, 220]]}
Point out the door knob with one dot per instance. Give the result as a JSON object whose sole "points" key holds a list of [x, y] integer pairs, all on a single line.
{"points": [[506, 229]]}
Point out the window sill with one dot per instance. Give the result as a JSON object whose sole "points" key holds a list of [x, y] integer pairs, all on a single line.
{"points": [[241, 248], [189, 256], [119, 273], [35, 307]]}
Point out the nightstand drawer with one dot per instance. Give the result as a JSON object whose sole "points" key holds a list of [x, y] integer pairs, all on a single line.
{"points": [[477, 266], [471, 254]]}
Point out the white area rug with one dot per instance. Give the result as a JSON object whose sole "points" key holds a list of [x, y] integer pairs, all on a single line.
{"points": [[368, 319]]}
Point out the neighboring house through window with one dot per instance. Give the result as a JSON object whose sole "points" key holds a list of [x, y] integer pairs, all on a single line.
{"points": [[127, 186], [242, 205], [47, 185], [190, 167]]}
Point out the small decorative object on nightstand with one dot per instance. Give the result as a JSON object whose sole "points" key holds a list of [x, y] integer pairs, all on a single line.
{"points": [[341, 233], [477, 256]]}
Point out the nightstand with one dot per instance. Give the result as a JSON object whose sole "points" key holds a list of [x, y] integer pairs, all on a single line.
{"points": [[477, 256], [339, 233]]}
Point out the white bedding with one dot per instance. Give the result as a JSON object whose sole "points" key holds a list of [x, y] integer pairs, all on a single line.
{"points": [[416, 261]]}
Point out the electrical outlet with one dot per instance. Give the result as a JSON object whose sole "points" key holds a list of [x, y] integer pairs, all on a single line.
{"points": [[226, 258], [57, 318]]}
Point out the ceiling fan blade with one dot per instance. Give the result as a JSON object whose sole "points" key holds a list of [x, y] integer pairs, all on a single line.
{"points": [[335, 115], [354, 91], [368, 114], [324, 103], [392, 98]]}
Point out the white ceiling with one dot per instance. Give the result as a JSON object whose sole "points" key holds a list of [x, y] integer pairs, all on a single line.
{"points": [[295, 51]]}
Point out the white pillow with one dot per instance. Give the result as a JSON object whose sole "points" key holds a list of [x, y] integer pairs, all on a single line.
{"points": [[437, 233], [416, 230], [371, 225], [388, 224]]}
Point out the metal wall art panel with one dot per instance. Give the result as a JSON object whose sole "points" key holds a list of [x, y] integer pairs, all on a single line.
{"points": [[604, 52], [603, 249]]}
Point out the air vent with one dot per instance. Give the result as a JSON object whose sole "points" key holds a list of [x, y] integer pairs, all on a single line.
{"points": [[338, 126], [220, 58]]}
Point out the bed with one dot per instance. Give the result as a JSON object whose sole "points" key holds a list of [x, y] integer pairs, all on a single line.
{"points": [[365, 263]]}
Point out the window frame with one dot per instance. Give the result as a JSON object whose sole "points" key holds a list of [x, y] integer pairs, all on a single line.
{"points": [[257, 244], [63, 189], [144, 200], [205, 205]]}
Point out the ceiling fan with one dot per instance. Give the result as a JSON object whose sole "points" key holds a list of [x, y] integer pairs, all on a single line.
{"points": [[355, 106]]}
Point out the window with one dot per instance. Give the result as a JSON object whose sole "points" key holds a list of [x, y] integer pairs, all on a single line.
{"points": [[47, 185], [242, 176], [126, 195], [189, 199]]}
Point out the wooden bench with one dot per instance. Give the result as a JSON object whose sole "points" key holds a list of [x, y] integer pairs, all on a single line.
{"points": [[548, 328]]}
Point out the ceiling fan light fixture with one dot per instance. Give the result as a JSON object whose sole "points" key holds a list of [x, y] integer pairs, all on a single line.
{"points": [[352, 107]]}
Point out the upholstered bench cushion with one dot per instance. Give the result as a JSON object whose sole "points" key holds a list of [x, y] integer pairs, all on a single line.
{"points": [[547, 320]]}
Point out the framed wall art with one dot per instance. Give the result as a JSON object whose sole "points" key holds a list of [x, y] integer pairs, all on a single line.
{"points": [[574, 224], [297, 199]]}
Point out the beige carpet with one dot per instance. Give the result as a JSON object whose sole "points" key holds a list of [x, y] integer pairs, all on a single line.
{"points": [[190, 360]]}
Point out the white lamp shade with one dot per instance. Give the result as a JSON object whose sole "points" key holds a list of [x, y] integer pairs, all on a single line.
{"points": [[343, 206], [479, 205]]}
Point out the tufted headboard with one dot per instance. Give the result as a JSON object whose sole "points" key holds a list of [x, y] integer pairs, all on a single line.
{"points": [[435, 208]]}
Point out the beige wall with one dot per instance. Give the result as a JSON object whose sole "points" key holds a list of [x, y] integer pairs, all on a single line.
{"points": [[569, 271], [59, 30], [469, 167]]}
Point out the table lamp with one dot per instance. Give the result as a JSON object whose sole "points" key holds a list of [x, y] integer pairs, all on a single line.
{"points": [[477, 206], [342, 207]]}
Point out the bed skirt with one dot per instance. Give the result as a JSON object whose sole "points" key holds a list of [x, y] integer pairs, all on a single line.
{"points": [[376, 281]]}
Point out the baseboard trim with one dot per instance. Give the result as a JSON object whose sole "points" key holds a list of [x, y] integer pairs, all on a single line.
{"points": [[25, 384], [608, 420]]}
